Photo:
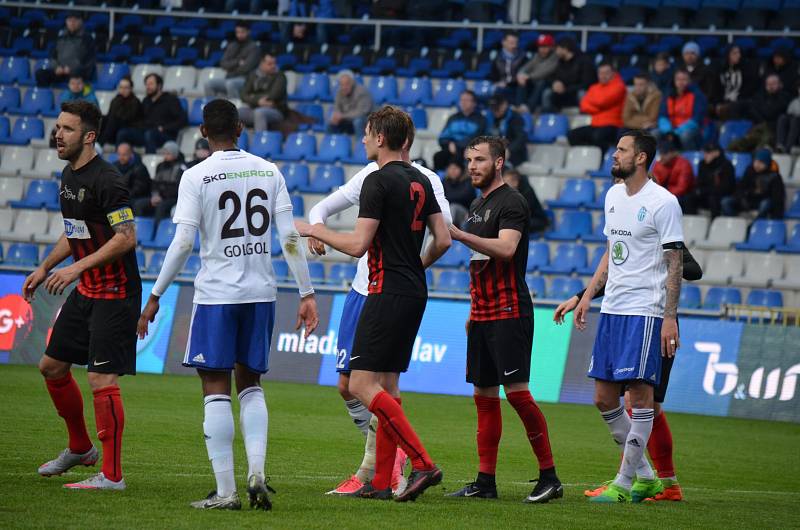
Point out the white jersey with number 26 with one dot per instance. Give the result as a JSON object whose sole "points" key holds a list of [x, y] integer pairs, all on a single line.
{"points": [[232, 197]]}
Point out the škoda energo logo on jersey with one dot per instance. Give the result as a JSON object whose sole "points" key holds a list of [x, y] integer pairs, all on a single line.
{"points": [[247, 173]]}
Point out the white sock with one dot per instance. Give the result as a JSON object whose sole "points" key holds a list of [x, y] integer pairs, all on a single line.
{"points": [[218, 430], [620, 425], [253, 420], [360, 414], [635, 446], [367, 468]]}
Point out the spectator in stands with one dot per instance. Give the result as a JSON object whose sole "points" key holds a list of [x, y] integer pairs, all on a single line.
{"points": [[165, 185], [782, 65], [240, 58], [264, 93], [603, 102], [762, 187], [538, 220], [134, 172], [716, 181], [574, 73], [458, 191], [663, 72], [163, 117], [77, 90], [788, 127], [702, 76], [460, 128], [674, 172], [351, 106], [507, 64], [73, 53], [201, 152], [125, 111], [682, 111], [533, 77], [506, 123], [769, 104], [736, 82], [641, 104]]}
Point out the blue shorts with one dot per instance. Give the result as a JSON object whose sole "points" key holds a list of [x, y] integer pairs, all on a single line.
{"points": [[227, 334], [347, 329], [627, 348]]}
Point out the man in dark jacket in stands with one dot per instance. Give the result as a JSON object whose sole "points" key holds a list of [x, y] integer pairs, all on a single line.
{"points": [[458, 191], [506, 123], [538, 221], [506, 65], [264, 93], [240, 58], [574, 73], [716, 180], [164, 186], [134, 172], [460, 128], [762, 187], [163, 118], [74, 53]]}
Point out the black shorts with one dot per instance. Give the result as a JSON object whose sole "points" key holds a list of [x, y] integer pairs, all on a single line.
{"points": [[98, 333], [659, 391], [499, 351], [386, 331]]}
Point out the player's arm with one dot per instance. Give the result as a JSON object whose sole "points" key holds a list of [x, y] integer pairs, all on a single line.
{"points": [[501, 247], [296, 260], [330, 205], [59, 253], [440, 242], [353, 243], [571, 303], [597, 283], [673, 256]]}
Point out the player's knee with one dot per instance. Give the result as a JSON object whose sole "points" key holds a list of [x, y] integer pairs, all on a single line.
{"points": [[98, 381], [343, 386], [603, 403], [52, 369]]}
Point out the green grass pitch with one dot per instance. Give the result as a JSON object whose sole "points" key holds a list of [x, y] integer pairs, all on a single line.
{"points": [[735, 473]]}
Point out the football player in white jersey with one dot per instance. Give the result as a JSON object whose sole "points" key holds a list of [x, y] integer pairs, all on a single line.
{"points": [[233, 198], [346, 197], [641, 271]]}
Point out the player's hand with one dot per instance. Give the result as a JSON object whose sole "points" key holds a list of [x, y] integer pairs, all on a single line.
{"points": [[580, 314], [307, 314], [148, 315], [670, 342], [33, 281], [456, 233], [303, 228], [564, 308], [315, 246], [60, 279]]}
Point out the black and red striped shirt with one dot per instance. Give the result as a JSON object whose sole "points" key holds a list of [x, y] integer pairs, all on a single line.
{"points": [[401, 198], [94, 198], [498, 288]]}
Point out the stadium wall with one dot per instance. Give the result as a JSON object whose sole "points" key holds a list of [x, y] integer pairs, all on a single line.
{"points": [[724, 368]]}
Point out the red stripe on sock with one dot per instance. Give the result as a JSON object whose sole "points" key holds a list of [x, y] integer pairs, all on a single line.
{"points": [[399, 430], [490, 428], [535, 426], [66, 396], [110, 419], [660, 447]]}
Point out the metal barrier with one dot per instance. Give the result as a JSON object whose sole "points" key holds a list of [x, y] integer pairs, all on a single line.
{"points": [[785, 316], [380, 24]]}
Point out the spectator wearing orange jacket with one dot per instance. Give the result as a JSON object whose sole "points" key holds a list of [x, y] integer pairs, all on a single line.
{"points": [[603, 102], [674, 172]]}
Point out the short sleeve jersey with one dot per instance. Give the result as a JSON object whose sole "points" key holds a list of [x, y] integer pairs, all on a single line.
{"points": [[232, 198], [352, 192], [401, 198], [497, 288], [94, 199], [637, 227]]}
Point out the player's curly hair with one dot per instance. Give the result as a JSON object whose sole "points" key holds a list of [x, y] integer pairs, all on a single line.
{"points": [[392, 123], [497, 145], [89, 114]]}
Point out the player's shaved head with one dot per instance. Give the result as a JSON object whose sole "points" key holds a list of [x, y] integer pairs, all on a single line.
{"points": [[391, 123], [221, 121]]}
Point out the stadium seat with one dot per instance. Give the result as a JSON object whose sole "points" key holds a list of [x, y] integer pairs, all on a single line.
{"points": [[573, 225], [26, 224], [562, 288], [569, 257], [165, 232], [695, 228], [206, 75], [180, 79], [9, 98], [46, 165], [740, 162], [316, 270], [151, 163], [483, 88], [764, 235], [383, 89], [605, 166], [109, 75], [447, 95], [765, 298], [536, 285], [694, 158], [453, 281], [40, 194], [11, 189], [298, 206], [266, 144], [546, 188], [381, 66], [196, 111], [791, 278], [580, 160], [716, 297], [726, 265], [417, 66], [760, 270], [543, 159], [15, 70], [341, 273], [191, 267], [281, 269], [359, 156], [458, 255], [296, 176], [724, 232], [784, 161], [22, 255], [25, 129], [311, 87], [315, 112], [415, 91], [55, 227], [332, 148], [794, 208], [538, 256], [344, 220], [600, 198], [145, 226], [596, 257], [690, 297], [244, 141], [141, 261], [156, 262], [5, 130], [298, 146], [548, 127], [792, 245], [140, 71], [574, 194], [326, 177], [419, 117], [733, 130], [16, 160]]}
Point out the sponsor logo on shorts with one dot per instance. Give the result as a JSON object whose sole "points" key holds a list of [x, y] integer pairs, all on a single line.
{"points": [[198, 358], [620, 371], [619, 252], [102, 363], [76, 229], [511, 372]]}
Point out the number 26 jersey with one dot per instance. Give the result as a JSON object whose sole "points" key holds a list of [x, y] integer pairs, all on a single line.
{"points": [[232, 198]]}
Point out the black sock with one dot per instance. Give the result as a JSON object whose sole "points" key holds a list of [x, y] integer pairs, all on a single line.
{"points": [[548, 474], [485, 479]]}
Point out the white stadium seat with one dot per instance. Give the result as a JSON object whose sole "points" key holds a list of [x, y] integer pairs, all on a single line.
{"points": [[55, 228], [15, 160], [580, 159], [695, 228], [543, 159], [760, 269], [179, 79], [721, 266], [724, 232], [204, 76], [791, 278], [6, 220], [151, 162], [46, 164], [11, 189], [546, 188], [104, 98], [26, 224]]}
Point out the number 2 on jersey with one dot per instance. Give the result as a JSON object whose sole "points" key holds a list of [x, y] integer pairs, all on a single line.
{"points": [[250, 210], [417, 193]]}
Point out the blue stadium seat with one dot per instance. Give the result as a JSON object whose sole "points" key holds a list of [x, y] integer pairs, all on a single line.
{"points": [[548, 127], [794, 209], [574, 224], [765, 297], [417, 66], [482, 71], [740, 161], [381, 66], [298, 146], [451, 69], [690, 297], [359, 156], [596, 257], [281, 269], [733, 130], [317, 62], [165, 232], [605, 167], [333, 148], [341, 273], [36, 101], [562, 288], [109, 74], [15, 70], [116, 53], [569, 257], [315, 112], [792, 246], [418, 116], [40, 194], [196, 112], [141, 261], [275, 243], [483, 88], [145, 226], [22, 255], [296, 175], [457, 255], [536, 285], [383, 89], [326, 177], [538, 256], [25, 129], [244, 141], [316, 270], [184, 55], [600, 202], [453, 281], [266, 143], [191, 267], [150, 55], [576, 193], [694, 158], [5, 130], [9, 97], [764, 235], [348, 62], [718, 296], [156, 262], [311, 87], [298, 206], [415, 91]]}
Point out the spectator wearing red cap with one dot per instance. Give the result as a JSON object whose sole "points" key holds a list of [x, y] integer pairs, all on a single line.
{"points": [[603, 102], [533, 77]]}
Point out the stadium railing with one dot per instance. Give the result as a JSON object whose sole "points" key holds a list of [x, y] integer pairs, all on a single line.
{"points": [[782, 316]]}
